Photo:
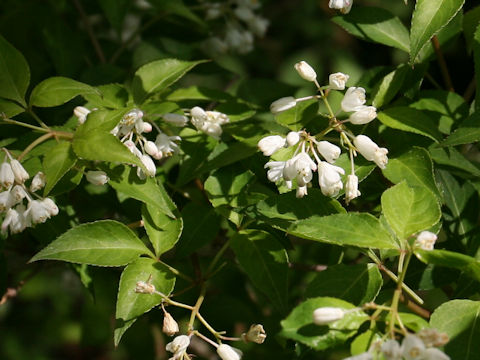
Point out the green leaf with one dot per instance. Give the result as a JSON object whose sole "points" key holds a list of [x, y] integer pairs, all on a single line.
{"points": [[130, 304], [410, 209], [363, 342], [468, 132], [162, 230], [227, 186], [471, 19], [299, 324], [56, 164], [390, 86], [58, 90], [14, 73], [112, 96], [352, 229], [266, 263], [451, 259], [460, 319], [9, 108], [408, 119], [282, 210], [158, 75], [428, 18], [375, 25], [199, 93], [177, 7], [476, 58], [415, 167], [299, 116], [115, 11], [360, 283], [101, 243], [450, 156]]}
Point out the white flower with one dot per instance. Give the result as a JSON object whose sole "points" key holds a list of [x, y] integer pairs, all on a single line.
{"points": [[6, 175], [15, 220], [19, 172], [363, 115], [81, 113], [6, 200], [132, 117], [50, 206], [337, 81], [133, 149], [241, 41], [208, 121], [327, 315], [199, 116], [176, 119], [38, 181], [391, 350], [301, 191], [271, 144], [306, 71], [304, 166], [170, 326], [435, 354], [413, 347], [283, 104], [166, 144], [329, 178], [343, 5], [178, 347], [275, 171], [371, 151], [152, 150], [149, 165], [244, 13], [255, 334], [226, 352], [217, 117], [362, 356], [97, 177], [426, 240], [18, 193], [259, 25], [351, 188], [38, 211], [147, 127], [293, 137], [10, 217], [329, 151], [353, 100]]}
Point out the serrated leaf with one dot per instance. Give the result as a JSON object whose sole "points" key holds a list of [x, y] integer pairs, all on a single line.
{"points": [[460, 319], [163, 231], [360, 283], [408, 119], [390, 85], [428, 18], [450, 156], [58, 90], [375, 25], [299, 324], [130, 305], [57, 163], [265, 261], [14, 73], [158, 75], [113, 96], [299, 116], [199, 93], [471, 19], [10, 108], [415, 167], [352, 229], [101, 243], [468, 132], [410, 209]]}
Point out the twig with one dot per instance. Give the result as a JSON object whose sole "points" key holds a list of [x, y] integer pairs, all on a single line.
{"points": [[470, 90], [90, 32], [443, 65]]}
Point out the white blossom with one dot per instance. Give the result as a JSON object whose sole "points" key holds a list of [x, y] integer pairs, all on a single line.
{"points": [[255, 334], [178, 347], [50, 206], [391, 350], [147, 127], [283, 104], [351, 188], [371, 151], [81, 113], [275, 171], [166, 144], [413, 348], [38, 181], [306, 71], [258, 25], [15, 220], [327, 315], [38, 211], [6, 175], [271, 144], [208, 122], [19, 172], [133, 148], [363, 356], [214, 11], [97, 177], [435, 354], [176, 119], [301, 191], [337, 81], [343, 5], [152, 150], [293, 137], [304, 165], [18, 193], [353, 100], [426, 240], [240, 41], [227, 352], [329, 178], [6, 200], [363, 115], [149, 165], [329, 151], [132, 117]]}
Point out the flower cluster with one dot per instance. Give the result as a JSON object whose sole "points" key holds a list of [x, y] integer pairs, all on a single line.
{"points": [[310, 150], [241, 25], [344, 6], [15, 192]]}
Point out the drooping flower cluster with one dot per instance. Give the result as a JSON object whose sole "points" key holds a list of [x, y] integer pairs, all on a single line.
{"points": [[22, 207], [314, 154], [241, 25], [344, 6]]}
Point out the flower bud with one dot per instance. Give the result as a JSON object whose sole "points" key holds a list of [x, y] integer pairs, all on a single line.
{"points": [[364, 115], [133, 148], [19, 172], [38, 211], [329, 151], [337, 81], [351, 188], [50, 206], [178, 346], [18, 194], [81, 113], [343, 5], [176, 119], [7, 200], [150, 168], [435, 354], [293, 137], [143, 287], [426, 240], [371, 151], [38, 182], [147, 127], [255, 334], [413, 347], [97, 177], [170, 326], [283, 104], [6, 175], [329, 179], [270, 144], [226, 352], [327, 315], [305, 71], [354, 99], [151, 149]]}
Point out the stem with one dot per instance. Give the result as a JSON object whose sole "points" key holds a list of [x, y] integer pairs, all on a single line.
{"points": [[218, 256], [40, 122], [19, 123], [176, 272], [443, 65], [327, 104], [195, 332], [172, 302], [61, 134], [196, 308], [91, 34], [402, 266]]}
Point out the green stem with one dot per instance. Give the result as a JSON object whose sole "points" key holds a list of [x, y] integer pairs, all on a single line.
{"points": [[218, 256], [19, 123], [402, 268], [56, 134], [175, 271], [37, 119]]}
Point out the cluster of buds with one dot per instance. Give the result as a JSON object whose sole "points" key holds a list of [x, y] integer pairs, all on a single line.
{"points": [[344, 6], [310, 150], [425, 240], [12, 199], [241, 25], [413, 347]]}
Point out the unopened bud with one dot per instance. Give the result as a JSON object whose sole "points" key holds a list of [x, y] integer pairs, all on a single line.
{"points": [[19, 172], [255, 334], [81, 113], [143, 287], [293, 137], [97, 177], [337, 81], [306, 71], [327, 315], [283, 104], [6, 175], [170, 326], [177, 119], [38, 182], [147, 127]]}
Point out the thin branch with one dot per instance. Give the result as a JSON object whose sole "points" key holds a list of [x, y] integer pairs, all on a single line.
{"points": [[443, 65], [90, 32], [470, 90]]}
